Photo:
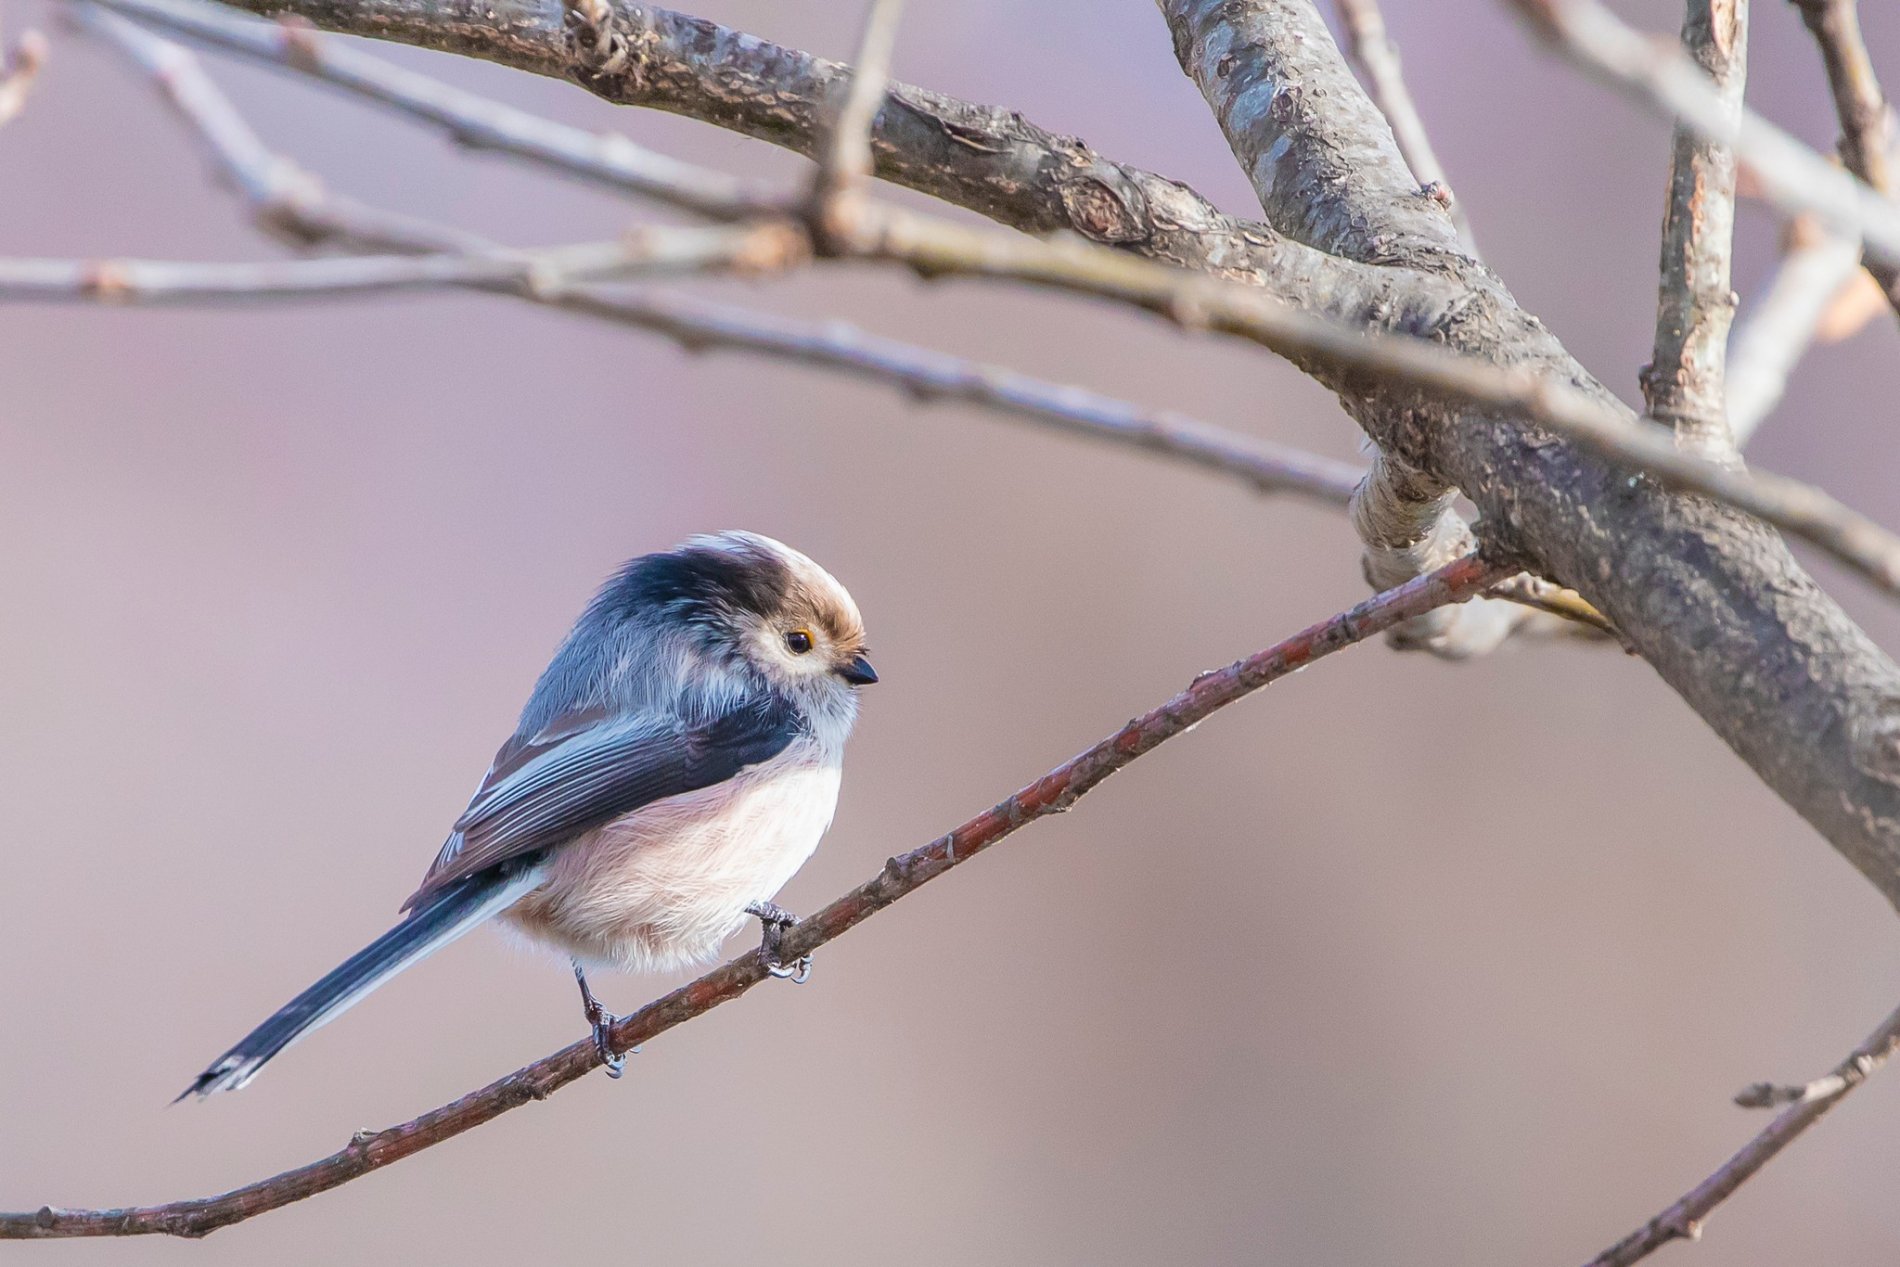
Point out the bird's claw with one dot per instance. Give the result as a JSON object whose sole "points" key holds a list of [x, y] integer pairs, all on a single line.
{"points": [[773, 921], [614, 1062], [602, 1022], [798, 972]]}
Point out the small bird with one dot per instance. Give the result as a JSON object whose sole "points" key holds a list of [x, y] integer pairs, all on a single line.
{"points": [[676, 764]]}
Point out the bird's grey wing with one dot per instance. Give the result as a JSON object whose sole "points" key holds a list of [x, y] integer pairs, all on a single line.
{"points": [[585, 769]]}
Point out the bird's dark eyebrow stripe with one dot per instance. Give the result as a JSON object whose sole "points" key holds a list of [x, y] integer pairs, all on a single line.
{"points": [[745, 579]]}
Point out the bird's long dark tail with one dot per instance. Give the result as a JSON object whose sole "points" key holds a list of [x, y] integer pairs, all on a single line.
{"points": [[433, 924]]}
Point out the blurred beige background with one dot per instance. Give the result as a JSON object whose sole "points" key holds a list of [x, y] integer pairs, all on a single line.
{"points": [[1400, 961]]}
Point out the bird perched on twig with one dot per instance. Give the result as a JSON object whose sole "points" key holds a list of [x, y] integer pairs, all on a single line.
{"points": [[677, 762]]}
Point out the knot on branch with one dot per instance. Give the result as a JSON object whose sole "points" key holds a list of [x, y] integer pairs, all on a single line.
{"points": [[1114, 213], [598, 48]]}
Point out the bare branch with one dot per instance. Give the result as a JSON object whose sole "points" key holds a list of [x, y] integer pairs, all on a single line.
{"points": [[1684, 1219], [1777, 330], [844, 166], [649, 251], [1791, 175], [19, 70], [1683, 383], [1053, 793], [1866, 122], [1867, 132], [1377, 55]]}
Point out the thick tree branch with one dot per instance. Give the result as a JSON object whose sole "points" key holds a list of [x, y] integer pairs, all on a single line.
{"points": [[1321, 159], [1053, 793], [1809, 1103], [1861, 106], [1683, 383], [286, 202], [1286, 268]]}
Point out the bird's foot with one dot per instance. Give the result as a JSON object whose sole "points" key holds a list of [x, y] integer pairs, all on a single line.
{"points": [[773, 921], [602, 1021]]}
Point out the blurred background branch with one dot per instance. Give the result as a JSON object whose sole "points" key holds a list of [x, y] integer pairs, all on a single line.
{"points": [[1377, 55], [1867, 132]]}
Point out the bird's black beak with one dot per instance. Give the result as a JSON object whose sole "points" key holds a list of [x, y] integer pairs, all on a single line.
{"points": [[859, 672]]}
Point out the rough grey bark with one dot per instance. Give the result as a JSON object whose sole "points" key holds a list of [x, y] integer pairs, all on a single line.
{"points": [[1327, 170], [1709, 596]]}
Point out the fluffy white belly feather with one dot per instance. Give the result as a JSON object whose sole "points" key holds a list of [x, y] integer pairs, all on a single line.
{"points": [[662, 887]]}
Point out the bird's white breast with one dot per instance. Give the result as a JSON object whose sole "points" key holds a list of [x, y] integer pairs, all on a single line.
{"points": [[662, 887]]}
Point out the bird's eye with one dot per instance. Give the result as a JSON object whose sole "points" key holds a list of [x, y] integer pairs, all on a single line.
{"points": [[799, 640]]}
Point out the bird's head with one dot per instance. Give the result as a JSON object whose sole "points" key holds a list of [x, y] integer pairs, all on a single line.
{"points": [[767, 606]]}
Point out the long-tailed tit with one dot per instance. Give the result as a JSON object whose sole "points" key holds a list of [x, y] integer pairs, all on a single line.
{"points": [[676, 764]]}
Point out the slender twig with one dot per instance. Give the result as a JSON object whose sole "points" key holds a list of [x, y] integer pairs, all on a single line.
{"points": [[1053, 793], [19, 70], [1683, 383], [1809, 1103], [844, 163], [1377, 54], [936, 247], [607, 159], [1663, 78], [1777, 329], [1859, 102], [1861, 106], [647, 251]]}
